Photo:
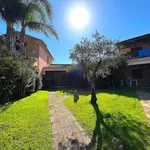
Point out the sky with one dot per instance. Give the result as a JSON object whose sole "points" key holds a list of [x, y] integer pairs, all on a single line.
{"points": [[115, 19]]}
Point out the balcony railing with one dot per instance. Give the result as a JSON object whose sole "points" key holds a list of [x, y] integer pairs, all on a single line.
{"points": [[140, 54]]}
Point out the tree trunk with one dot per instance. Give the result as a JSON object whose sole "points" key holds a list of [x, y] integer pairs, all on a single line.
{"points": [[21, 38], [93, 93], [9, 36]]}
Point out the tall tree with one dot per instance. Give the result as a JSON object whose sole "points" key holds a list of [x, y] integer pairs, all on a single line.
{"points": [[34, 14], [34, 17], [96, 58], [10, 11]]}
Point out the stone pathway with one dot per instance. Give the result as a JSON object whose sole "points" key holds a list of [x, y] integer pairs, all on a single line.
{"points": [[64, 125], [145, 100]]}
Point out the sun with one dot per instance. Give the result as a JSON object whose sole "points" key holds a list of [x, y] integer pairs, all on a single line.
{"points": [[79, 17]]}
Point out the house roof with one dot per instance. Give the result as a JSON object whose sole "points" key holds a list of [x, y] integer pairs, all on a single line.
{"points": [[136, 40], [57, 66]]}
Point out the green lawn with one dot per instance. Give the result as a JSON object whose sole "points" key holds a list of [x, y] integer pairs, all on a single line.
{"points": [[65, 92], [25, 125], [119, 115]]}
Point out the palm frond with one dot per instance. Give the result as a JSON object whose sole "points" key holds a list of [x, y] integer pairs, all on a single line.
{"points": [[10, 10], [45, 4], [48, 7], [31, 11], [43, 28]]}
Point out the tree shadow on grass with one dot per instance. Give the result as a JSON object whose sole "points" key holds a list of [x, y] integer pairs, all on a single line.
{"points": [[97, 140], [73, 144], [132, 133]]}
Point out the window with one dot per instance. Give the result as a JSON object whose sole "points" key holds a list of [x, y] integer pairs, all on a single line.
{"points": [[134, 51], [48, 59], [137, 74]]}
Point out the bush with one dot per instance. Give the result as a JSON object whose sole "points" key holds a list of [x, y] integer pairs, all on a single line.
{"points": [[28, 81], [10, 71], [38, 82], [17, 78]]}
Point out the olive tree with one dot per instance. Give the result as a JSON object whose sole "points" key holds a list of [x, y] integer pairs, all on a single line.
{"points": [[97, 57]]}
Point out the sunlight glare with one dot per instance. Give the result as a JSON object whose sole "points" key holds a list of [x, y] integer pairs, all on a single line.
{"points": [[79, 17]]}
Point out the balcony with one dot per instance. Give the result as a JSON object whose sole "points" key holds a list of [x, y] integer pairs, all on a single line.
{"points": [[138, 57]]}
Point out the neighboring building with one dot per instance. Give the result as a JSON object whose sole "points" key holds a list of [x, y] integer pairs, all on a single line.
{"points": [[34, 49], [37, 49], [137, 74], [138, 70], [56, 75]]}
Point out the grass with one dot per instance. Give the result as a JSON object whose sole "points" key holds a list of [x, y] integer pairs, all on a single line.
{"points": [[119, 114], [25, 124], [65, 92]]}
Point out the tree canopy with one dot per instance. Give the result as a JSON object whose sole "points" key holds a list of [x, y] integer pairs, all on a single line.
{"points": [[32, 14], [97, 57]]}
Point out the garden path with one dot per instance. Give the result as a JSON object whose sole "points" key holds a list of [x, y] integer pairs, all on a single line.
{"points": [[145, 101], [65, 128]]}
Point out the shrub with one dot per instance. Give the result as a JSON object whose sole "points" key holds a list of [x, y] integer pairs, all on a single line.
{"points": [[38, 82], [10, 71], [28, 81], [18, 78]]}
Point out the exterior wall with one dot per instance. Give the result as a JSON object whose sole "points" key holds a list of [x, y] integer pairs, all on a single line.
{"points": [[126, 49], [141, 60], [35, 48], [56, 67], [142, 63], [142, 45], [145, 81], [146, 46], [32, 48], [49, 69], [43, 54]]}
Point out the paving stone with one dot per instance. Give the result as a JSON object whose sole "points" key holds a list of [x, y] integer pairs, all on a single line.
{"points": [[145, 101], [56, 128], [64, 125], [53, 119]]}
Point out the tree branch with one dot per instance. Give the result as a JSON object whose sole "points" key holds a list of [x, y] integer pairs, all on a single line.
{"points": [[91, 69], [96, 68]]}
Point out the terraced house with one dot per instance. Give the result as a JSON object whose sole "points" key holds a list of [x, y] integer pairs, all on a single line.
{"points": [[56, 74], [35, 49], [137, 74], [38, 50], [138, 70]]}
